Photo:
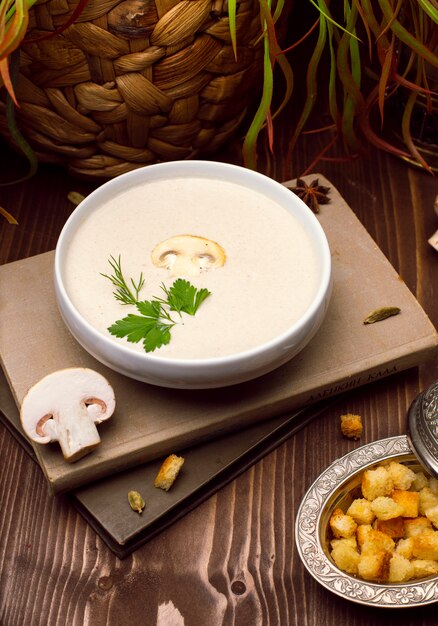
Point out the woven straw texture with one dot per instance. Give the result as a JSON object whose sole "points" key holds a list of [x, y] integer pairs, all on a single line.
{"points": [[135, 82]]}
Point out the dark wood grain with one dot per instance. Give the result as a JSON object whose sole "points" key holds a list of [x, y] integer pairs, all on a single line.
{"points": [[232, 560]]}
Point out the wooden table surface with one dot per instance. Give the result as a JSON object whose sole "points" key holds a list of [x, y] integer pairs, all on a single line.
{"points": [[232, 560]]}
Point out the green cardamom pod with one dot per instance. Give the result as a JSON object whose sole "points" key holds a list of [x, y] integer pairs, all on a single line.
{"points": [[381, 314], [75, 197], [136, 502]]}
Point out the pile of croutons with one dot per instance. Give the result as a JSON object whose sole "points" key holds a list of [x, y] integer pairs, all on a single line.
{"points": [[389, 535]]}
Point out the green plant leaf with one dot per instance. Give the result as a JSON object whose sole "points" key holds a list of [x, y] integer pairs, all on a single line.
{"points": [[311, 83], [154, 323], [394, 16], [278, 56], [149, 308], [184, 297], [369, 18], [250, 141], [14, 29], [361, 12], [387, 71], [157, 337], [322, 8], [232, 8], [368, 132], [4, 6], [431, 8], [288, 75], [126, 292], [406, 127], [332, 91], [133, 327], [349, 72], [16, 135], [406, 37], [278, 10]]}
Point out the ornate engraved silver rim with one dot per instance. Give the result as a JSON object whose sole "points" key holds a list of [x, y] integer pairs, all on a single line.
{"points": [[310, 517]]}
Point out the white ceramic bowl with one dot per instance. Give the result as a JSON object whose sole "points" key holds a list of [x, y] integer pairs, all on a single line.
{"points": [[203, 372]]}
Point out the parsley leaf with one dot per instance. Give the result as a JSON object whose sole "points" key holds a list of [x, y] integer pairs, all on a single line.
{"points": [[158, 336], [183, 296], [147, 327], [133, 327], [149, 308]]}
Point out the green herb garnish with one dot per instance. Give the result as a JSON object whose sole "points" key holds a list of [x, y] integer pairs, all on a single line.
{"points": [[152, 326], [154, 323], [184, 297], [123, 293]]}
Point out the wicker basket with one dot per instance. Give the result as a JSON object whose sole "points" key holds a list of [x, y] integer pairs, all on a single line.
{"points": [[134, 82]]}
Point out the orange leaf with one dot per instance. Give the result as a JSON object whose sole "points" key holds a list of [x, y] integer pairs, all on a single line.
{"points": [[10, 218], [4, 73], [14, 31]]}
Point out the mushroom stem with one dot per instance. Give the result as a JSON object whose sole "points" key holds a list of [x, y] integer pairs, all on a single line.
{"points": [[77, 432]]}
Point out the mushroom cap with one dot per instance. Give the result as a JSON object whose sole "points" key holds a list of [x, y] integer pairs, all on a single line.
{"points": [[188, 255], [61, 390]]}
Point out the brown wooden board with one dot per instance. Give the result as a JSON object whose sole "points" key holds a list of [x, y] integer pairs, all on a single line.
{"points": [[151, 422], [207, 468]]}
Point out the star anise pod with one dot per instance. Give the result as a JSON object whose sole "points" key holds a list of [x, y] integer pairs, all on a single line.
{"points": [[313, 195]]}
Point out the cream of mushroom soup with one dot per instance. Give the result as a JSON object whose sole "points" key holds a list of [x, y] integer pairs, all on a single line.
{"points": [[267, 280]]}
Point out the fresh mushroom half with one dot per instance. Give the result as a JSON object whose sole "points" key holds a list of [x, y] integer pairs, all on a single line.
{"points": [[65, 406], [188, 255]]}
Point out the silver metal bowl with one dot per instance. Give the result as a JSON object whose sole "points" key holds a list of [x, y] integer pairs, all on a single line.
{"points": [[336, 487]]}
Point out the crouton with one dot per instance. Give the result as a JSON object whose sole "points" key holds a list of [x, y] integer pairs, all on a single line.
{"points": [[342, 525], [433, 485], [404, 547], [345, 556], [400, 569], [425, 546], [360, 510], [386, 508], [409, 500], [362, 533], [394, 527], [418, 526], [168, 472], [427, 500], [432, 515], [402, 476], [351, 425], [374, 566], [424, 567], [390, 535], [375, 541], [347, 541], [376, 482], [420, 481]]}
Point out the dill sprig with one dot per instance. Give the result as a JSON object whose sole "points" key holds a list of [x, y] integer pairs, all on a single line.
{"points": [[123, 292]]}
